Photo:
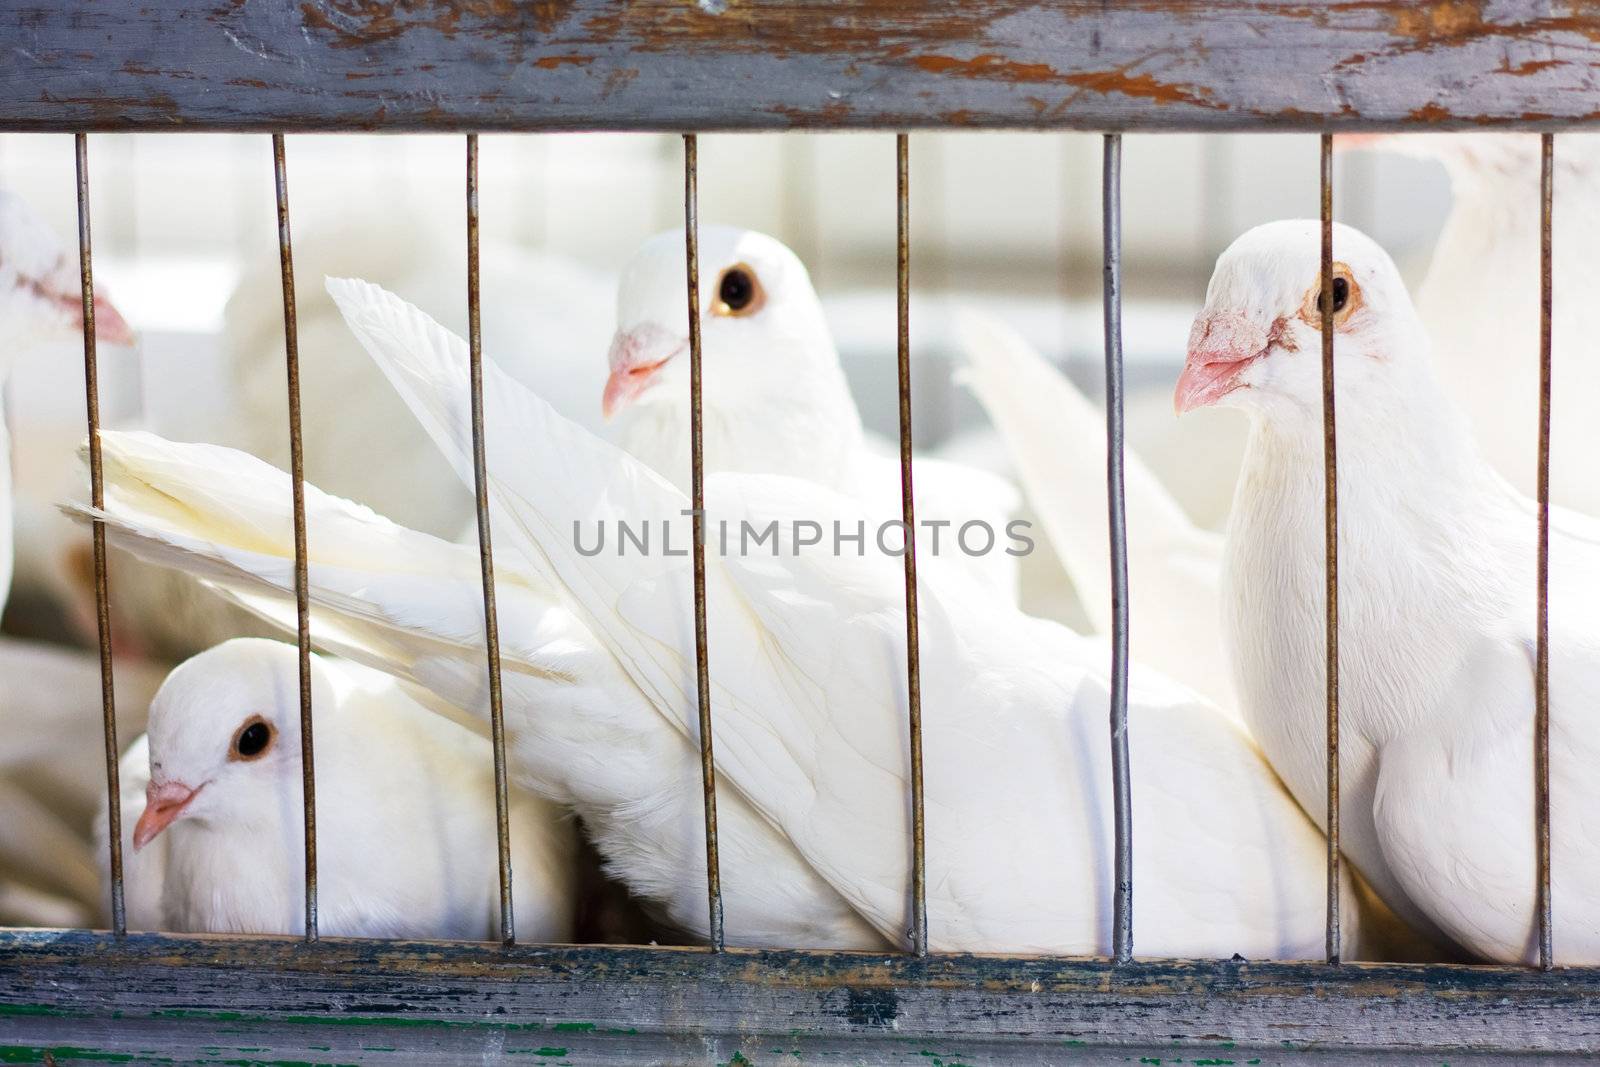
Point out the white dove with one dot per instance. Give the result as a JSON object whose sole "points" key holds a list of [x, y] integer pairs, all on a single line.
{"points": [[809, 732], [1057, 441], [775, 400], [1437, 601], [1480, 299], [40, 302], [405, 811]]}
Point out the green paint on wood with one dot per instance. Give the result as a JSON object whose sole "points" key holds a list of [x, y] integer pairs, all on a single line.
{"points": [[574, 1028], [548, 1051], [36, 1054]]}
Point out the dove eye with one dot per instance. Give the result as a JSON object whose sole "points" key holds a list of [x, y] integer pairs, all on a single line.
{"points": [[1341, 295], [738, 292], [1346, 298], [252, 740]]}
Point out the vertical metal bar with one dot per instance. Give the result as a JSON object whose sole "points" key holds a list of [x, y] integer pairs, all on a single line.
{"points": [[1121, 777], [708, 770], [97, 495], [491, 616], [302, 601], [1541, 719], [1330, 482], [908, 515]]}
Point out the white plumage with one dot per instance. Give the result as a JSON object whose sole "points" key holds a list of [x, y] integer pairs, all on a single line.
{"points": [[40, 303], [1057, 440], [549, 316], [405, 812], [578, 730], [807, 655], [1437, 597], [775, 400], [1480, 300]]}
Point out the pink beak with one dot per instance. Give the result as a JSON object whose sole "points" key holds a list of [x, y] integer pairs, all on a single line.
{"points": [[1359, 140], [164, 803], [109, 326], [1221, 345], [62, 289], [636, 359]]}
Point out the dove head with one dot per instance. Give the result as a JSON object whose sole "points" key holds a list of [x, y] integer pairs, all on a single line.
{"points": [[1257, 343], [224, 737], [763, 339], [41, 300]]}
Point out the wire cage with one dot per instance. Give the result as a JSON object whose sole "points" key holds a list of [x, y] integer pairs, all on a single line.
{"points": [[687, 66]]}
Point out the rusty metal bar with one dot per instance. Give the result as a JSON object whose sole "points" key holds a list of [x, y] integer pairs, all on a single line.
{"points": [[1330, 533], [491, 616], [97, 495], [708, 769], [908, 515], [1541, 714], [302, 601], [1121, 774]]}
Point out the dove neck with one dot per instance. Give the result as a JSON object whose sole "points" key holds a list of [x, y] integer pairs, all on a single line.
{"points": [[1415, 563], [814, 433]]}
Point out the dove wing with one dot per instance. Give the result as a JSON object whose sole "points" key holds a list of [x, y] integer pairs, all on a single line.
{"points": [[1058, 441]]}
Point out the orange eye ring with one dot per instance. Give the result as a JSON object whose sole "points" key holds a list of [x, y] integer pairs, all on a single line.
{"points": [[1346, 296], [252, 740]]}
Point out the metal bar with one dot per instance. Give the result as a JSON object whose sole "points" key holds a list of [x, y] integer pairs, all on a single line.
{"points": [[869, 64], [908, 514], [1121, 777], [1541, 715], [97, 495], [708, 769], [612, 1004], [491, 616], [302, 597], [1330, 534]]}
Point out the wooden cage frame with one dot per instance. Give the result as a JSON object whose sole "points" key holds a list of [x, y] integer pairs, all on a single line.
{"points": [[469, 66]]}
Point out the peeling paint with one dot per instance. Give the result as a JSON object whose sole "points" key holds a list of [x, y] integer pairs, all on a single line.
{"points": [[737, 64]]}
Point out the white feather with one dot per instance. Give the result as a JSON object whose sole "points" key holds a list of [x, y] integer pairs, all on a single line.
{"points": [[1057, 440]]}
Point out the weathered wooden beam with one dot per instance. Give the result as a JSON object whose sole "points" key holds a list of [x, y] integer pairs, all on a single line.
{"points": [[284, 999], [467, 65]]}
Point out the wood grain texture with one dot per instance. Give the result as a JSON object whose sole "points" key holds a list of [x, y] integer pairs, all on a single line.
{"points": [[467, 65], [283, 999]]}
